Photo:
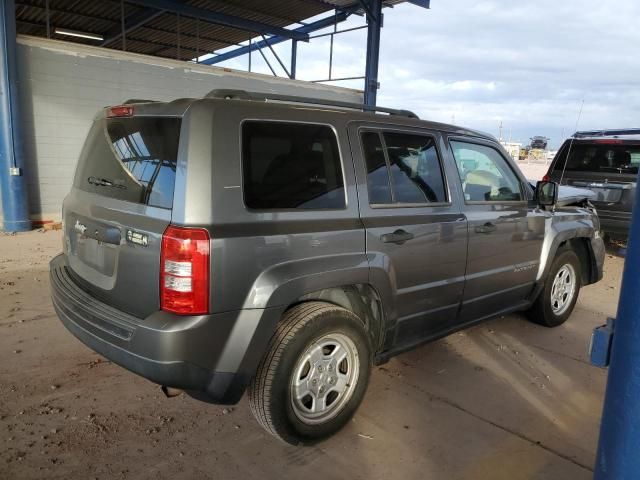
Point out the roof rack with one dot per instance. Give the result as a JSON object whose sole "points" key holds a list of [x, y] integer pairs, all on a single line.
{"points": [[604, 133], [265, 97]]}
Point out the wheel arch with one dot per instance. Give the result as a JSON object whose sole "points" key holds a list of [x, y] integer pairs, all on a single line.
{"points": [[575, 232], [576, 236], [362, 299], [582, 248], [348, 281]]}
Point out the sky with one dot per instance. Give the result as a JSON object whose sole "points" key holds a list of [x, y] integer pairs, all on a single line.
{"points": [[539, 68]]}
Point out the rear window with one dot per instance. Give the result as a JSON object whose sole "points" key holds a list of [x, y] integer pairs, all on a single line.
{"points": [[600, 157], [291, 166], [132, 159]]}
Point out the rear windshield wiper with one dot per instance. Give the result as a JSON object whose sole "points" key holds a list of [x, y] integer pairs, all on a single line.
{"points": [[104, 182]]}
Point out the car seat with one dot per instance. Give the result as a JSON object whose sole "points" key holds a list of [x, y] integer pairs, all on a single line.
{"points": [[481, 185]]}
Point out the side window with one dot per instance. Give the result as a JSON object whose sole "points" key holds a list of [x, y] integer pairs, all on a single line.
{"points": [[377, 171], [289, 165], [406, 169], [485, 174], [415, 169]]}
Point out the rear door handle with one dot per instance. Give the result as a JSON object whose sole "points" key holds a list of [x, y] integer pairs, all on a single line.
{"points": [[486, 228], [398, 237]]}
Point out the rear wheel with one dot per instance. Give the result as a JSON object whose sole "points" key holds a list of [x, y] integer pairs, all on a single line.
{"points": [[558, 298], [314, 374]]}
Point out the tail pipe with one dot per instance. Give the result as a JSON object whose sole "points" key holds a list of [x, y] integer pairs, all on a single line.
{"points": [[171, 392]]}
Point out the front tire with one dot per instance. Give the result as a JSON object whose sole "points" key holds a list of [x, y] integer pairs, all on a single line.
{"points": [[558, 298], [314, 374]]}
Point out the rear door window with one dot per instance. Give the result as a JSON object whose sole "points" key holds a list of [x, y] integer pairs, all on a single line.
{"points": [[132, 159], [378, 181], [291, 166], [402, 168]]}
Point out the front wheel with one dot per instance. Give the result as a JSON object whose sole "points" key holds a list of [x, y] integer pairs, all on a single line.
{"points": [[560, 294], [314, 374]]}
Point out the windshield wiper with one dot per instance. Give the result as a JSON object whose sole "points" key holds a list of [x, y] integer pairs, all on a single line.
{"points": [[104, 182]]}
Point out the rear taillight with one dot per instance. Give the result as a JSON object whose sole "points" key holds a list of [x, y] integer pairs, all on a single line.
{"points": [[608, 141], [120, 111], [546, 178], [184, 271]]}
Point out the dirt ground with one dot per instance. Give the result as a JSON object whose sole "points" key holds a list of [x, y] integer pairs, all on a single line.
{"points": [[504, 400], [533, 171]]}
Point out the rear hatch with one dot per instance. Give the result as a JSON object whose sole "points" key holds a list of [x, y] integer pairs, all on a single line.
{"points": [[119, 207], [607, 167]]}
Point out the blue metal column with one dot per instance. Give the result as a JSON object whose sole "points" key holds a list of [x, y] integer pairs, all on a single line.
{"points": [[619, 445], [15, 208], [374, 24], [294, 57]]}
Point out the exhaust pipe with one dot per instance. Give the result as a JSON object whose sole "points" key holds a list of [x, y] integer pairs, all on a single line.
{"points": [[171, 392]]}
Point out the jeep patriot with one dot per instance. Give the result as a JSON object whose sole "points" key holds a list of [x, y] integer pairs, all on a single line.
{"points": [[282, 246]]}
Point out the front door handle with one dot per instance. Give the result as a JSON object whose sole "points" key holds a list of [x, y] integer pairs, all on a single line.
{"points": [[486, 228], [398, 237]]}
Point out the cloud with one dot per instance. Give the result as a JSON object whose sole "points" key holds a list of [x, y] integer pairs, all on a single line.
{"points": [[527, 64]]}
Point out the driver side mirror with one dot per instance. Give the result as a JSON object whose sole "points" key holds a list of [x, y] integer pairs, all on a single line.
{"points": [[546, 193]]}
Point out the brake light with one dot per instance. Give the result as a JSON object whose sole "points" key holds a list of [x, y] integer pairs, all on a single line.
{"points": [[546, 178], [184, 271], [608, 141], [120, 111]]}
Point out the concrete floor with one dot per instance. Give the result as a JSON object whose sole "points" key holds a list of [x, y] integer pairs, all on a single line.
{"points": [[533, 171], [504, 400]]}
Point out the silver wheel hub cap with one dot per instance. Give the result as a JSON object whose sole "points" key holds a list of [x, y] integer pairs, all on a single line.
{"points": [[324, 378], [563, 289]]}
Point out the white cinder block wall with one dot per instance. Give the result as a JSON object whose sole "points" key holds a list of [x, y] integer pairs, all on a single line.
{"points": [[62, 85]]}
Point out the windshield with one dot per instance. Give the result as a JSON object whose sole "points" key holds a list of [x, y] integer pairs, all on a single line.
{"points": [[601, 157], [132, 159]]}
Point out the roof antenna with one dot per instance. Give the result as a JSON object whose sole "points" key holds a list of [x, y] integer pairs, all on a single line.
{"points": [[573, 137]]}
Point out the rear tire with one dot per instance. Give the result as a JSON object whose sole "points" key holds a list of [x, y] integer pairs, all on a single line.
{"points": [[558, 298], [314, 374]]}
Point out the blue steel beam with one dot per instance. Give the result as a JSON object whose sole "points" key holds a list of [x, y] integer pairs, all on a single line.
{"points": [[277, 57], [617, 457], [15, 207], [294, 57], [366, 7], [374, 24], [421, 3], [340, 16], [221, 18], [132, 22]]}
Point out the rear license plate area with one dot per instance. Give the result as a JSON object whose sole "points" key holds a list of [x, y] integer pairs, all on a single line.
{"points": [[607, 195]]}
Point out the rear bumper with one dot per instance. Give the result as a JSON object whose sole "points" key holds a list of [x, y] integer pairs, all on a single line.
{"points": [[615, 222], [212, 357]]}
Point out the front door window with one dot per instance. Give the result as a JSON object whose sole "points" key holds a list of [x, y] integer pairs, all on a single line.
{"points": [[485, 174]]}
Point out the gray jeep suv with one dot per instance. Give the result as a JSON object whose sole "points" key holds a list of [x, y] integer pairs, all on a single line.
{"points": [[285, 245]]}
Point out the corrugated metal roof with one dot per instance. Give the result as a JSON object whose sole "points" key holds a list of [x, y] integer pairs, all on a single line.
{"points": [[159, 36]]}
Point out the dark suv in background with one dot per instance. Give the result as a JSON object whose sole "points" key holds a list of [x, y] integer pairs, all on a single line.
{"points": [[284, 245], [606, 162]]}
